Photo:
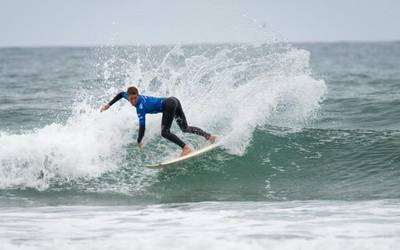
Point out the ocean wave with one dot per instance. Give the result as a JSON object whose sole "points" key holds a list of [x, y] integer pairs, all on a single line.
{"points": [[230, 90]]}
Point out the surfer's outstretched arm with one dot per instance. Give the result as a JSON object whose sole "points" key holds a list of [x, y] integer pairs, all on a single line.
{"points": [[114, 100]]}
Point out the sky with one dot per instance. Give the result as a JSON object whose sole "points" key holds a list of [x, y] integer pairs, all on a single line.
{"points": [[139, 22]]}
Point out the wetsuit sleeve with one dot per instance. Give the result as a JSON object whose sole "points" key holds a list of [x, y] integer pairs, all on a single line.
{"points": [[142, 126], [116, 98], [141, 134]]}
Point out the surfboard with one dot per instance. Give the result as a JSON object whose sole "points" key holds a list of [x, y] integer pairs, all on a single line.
{"points": [[195, 153]]}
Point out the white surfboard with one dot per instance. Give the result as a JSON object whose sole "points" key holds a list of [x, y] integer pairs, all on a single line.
{"points": [[193, 154]]}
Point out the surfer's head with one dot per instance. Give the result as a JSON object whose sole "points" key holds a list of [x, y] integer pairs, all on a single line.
{"points": [[133, 95]]}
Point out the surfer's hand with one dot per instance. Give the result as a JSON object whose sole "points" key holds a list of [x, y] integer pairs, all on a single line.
{"points": [[104, 107], [141, 146]]}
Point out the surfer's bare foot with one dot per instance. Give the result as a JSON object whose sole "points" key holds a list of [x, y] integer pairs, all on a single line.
{"points": [[212, 138], [186, 150]]}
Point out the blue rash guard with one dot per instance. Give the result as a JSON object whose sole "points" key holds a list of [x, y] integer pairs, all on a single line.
{"points": [[145, 105]]}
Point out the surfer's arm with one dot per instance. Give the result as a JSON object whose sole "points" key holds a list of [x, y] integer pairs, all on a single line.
{"points": [[142, 126], [141, 134], [114, 100]]}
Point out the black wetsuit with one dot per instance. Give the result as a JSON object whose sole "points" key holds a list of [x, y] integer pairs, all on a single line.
{"points": [[173, 109]]}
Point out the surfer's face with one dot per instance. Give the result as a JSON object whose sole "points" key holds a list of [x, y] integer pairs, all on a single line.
{"points": [[133, 99]]}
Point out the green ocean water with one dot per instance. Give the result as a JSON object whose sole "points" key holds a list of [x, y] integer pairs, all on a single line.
{"points": [[310, 131]]}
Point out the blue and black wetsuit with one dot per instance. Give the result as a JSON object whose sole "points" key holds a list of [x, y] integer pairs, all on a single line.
{"points": [[171, 109]]}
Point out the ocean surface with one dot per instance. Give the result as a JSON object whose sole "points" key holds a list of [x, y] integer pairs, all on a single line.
{"points": [[309, 158]]}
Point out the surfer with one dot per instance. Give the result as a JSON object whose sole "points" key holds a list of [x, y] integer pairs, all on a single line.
{"points": [[171, 109]]}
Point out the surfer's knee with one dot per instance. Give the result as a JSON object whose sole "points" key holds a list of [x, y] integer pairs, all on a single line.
{"points": [[185, 129], [183, 126], [164, 133]]}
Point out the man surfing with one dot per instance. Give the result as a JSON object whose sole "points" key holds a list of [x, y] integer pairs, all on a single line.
{"points": [[171, 109]]}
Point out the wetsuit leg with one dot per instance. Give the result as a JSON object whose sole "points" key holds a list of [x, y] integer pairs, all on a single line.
{"points": [[182, 122], [170, 107]]}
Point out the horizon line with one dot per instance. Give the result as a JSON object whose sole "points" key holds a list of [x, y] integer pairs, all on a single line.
{"points": [[189, 43]]}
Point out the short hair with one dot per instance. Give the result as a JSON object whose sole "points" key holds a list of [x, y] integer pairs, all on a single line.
{"points": [[133, 91]]}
